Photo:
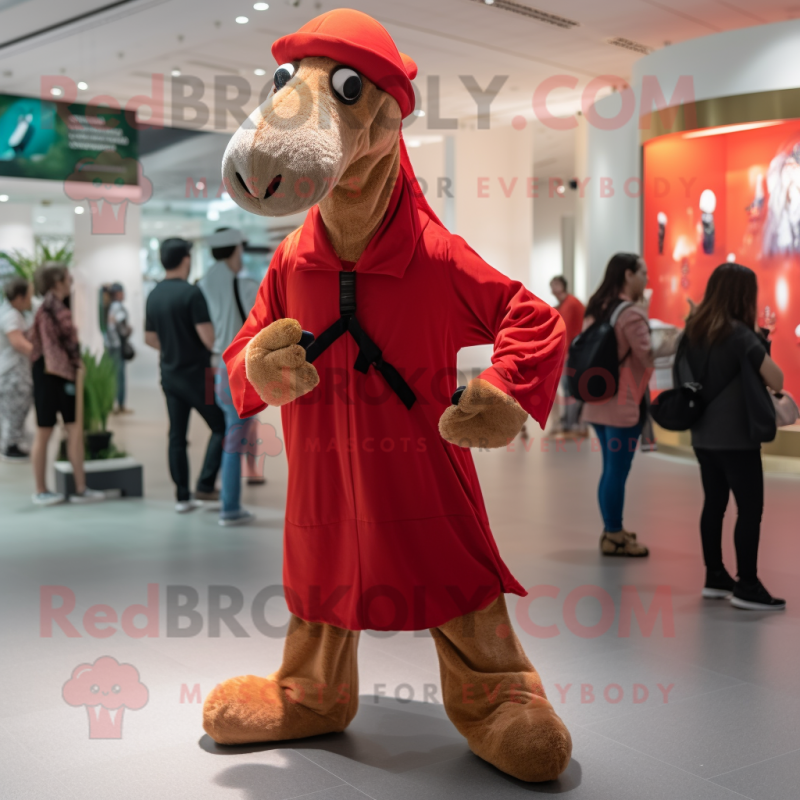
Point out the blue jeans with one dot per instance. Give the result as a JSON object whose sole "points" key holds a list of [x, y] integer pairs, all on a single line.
{"points": [[618, 446], [231, 457]]}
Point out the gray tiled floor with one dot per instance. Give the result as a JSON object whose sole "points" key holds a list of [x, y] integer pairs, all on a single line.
{"points": [[730, 727]]}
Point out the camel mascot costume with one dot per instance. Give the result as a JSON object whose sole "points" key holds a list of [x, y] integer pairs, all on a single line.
{"points": [[385, 523]]}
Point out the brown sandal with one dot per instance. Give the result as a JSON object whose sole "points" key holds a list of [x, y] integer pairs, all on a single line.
{"points": [[627, 546]]}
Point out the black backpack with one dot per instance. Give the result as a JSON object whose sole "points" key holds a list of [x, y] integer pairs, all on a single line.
{"points": [[593, 361]]}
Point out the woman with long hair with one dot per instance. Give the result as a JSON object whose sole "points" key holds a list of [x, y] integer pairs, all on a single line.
{"points": [[618, 420], [56, 360], [722, 350]]}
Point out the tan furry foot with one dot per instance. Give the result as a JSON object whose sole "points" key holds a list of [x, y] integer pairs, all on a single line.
{"points": [[484, 417], [495, 698], [529, 742], [252, 709], [315, 690]]}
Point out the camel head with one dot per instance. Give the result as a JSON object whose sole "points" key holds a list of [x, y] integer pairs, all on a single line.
{"points": [[323, 125], [329, 130]]}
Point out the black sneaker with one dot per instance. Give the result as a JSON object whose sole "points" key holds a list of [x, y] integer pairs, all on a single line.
{"points": [[754, 597], [15, 455], [719, 584]]}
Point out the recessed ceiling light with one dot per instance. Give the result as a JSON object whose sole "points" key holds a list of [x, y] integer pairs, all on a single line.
{"points": [[176, 72], [489, 2], [200, 186], [3, 198], [419, 113], [79, 209], [260, 6], [260, 71], [56, 91], [242, 20], [83, 86]]}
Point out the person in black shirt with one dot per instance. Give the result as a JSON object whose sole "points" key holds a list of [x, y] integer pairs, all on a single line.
{"points": [[723, 351], [178, 324]]}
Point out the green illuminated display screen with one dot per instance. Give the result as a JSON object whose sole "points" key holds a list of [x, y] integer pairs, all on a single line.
{"points": [[66, 142]]}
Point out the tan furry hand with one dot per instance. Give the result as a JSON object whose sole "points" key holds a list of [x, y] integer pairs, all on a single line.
{"points": [[484, 417], [276, 364]]}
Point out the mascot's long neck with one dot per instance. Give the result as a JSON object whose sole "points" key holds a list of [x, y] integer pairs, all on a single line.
{"points": [[356, 207]]}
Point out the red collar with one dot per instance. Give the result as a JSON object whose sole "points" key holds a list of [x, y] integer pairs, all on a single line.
{"points": [[391, 248]]}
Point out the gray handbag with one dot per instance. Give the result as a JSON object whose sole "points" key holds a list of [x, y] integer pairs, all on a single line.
{"points": [[786, 411]]}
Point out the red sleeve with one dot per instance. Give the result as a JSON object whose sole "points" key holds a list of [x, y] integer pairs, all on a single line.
{"points": [[528, 334], [572, 312], [268, 307]]}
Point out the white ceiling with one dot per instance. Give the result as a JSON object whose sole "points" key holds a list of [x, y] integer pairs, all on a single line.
{"points": [[117, 51]]}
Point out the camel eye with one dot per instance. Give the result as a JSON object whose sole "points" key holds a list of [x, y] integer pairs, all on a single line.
{"points": [[283, 75], [116, 688], [346, 84], [94, 689]]}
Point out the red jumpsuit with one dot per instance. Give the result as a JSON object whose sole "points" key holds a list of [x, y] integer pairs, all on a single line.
{"points": [[385, 523]]}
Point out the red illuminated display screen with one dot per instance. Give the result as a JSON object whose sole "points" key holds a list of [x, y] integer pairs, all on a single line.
{"points": [[732, 195]]}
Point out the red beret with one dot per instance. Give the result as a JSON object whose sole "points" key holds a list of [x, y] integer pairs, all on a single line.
{"points": [[357, 40]]}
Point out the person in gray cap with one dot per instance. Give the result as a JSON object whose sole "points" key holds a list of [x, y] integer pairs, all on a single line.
{"points": [[178, 325], [230, 295], [117, 333]]}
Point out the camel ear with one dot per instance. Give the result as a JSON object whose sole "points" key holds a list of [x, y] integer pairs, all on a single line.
{"points": [[410, 66]]}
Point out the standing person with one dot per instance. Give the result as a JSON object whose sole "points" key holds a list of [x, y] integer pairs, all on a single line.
{"points": [[177, 323], [618, 421], [230, 297], [118, 331], [16, 381], [572, 311], [56, 360], [722, 348]]}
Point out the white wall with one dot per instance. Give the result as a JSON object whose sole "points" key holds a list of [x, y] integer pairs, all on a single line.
{"points": [[496, 222], [581, 289], [612, 218], [16, 227], [548, 213], [428, 160], [491, 208], [107, 258], [758, 59]]}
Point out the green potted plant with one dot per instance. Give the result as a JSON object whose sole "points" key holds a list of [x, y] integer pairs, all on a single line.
{"points": [[25, 266], [99, 390]]}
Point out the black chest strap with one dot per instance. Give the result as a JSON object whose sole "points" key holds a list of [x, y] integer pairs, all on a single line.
{"points": [[368, 352]]}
